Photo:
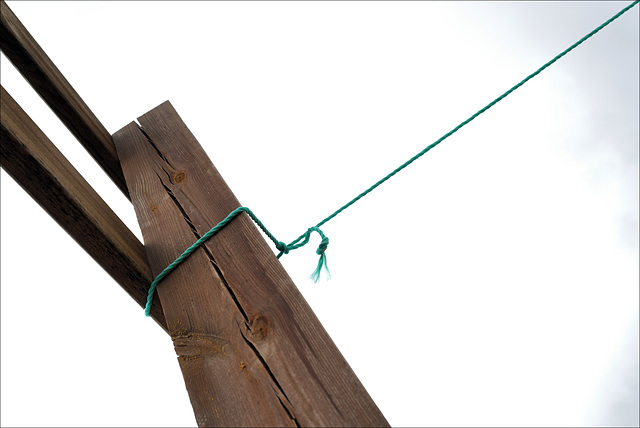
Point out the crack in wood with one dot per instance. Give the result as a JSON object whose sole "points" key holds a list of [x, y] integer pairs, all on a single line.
{"points": [[162, 156], [182, 211], [280, 390], [212, 260], [190, 342], [288, 409], [289, 413], [206, 250], [166, 172]]}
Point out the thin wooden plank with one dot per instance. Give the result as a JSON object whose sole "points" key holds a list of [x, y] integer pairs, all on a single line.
{"points": [[37, 165], [251, 350], [36, 67]]}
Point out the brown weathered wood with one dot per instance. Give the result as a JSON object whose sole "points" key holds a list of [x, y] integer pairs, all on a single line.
{"points": [[251, 350], [37, 165], [36, 67]]}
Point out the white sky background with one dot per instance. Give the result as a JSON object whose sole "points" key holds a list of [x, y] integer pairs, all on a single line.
{"points": [[492, 283]]}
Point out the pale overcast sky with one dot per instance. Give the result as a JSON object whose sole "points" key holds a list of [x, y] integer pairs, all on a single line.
{"points": [[492, 283]]}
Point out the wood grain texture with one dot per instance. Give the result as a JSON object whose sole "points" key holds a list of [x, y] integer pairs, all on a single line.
{"points": [[251, 350], [37, 165], [36, 67]]}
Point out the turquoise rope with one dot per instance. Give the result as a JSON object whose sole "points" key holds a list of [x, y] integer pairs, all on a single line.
{"points": [[304, 238], [478, 113], [284, 249]]}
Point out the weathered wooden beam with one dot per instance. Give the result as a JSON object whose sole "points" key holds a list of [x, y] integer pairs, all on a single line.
{"points": [[251, 350], [36, 67], [37, 165]]}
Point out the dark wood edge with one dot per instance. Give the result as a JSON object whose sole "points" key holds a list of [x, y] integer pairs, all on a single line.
{"points": [[36, 164]]}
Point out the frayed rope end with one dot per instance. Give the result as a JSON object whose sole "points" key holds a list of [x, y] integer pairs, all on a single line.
{"points": [[315, 276]]}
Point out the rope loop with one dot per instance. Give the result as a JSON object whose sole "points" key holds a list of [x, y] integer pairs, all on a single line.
{"points": [[323, 244], [322, 262]]}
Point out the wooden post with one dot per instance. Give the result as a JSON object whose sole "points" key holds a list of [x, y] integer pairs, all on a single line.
{"points": [[251, 350]]}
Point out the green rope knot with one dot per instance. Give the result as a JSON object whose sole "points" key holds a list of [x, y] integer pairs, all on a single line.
{"points": [[323, 244], [282, 247], [303, 240]]}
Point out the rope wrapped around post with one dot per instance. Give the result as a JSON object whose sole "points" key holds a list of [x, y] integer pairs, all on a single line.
{"points": [[281, 246]]}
